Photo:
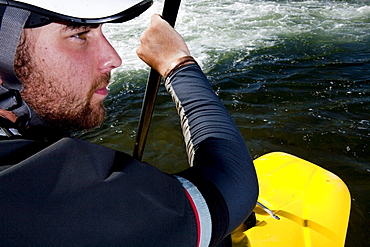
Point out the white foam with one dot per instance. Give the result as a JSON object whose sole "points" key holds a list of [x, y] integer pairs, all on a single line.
{"points": [[211, 27]]}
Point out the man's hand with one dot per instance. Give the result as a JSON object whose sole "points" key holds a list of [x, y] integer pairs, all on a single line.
{"points": [[161, 45]]}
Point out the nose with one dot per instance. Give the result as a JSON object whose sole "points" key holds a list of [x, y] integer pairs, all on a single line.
{"points": [[109, 58]]}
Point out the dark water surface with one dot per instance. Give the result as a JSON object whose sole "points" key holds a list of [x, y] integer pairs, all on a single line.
{"points": [[295, 75]]}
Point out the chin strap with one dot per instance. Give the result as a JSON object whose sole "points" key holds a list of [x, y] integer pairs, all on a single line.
{"points": [[11, 28]]}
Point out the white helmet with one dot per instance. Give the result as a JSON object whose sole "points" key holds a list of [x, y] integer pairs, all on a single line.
{"points": [[16, 15], [80, 12]]}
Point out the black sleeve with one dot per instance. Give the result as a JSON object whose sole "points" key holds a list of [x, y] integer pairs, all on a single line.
{"points": [[217, 152]]}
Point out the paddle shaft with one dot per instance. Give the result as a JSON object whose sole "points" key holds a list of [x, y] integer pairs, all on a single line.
{"points": [[170, 10]]}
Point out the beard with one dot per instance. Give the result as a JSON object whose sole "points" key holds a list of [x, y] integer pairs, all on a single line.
{"points": [[55, 103]]}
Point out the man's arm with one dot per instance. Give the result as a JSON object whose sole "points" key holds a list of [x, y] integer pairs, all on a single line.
{"points": [[220, 159]]}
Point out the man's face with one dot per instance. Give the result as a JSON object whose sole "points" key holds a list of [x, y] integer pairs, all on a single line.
{"points": [[65, 71]]}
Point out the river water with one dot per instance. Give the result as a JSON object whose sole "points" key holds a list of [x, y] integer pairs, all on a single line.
{"points": [[295, 76]]}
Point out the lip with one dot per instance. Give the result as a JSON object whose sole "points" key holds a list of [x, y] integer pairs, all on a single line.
{"points": [[102, 91]]}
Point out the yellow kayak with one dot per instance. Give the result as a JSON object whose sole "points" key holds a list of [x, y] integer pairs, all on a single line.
{"points": [[312, 205]]}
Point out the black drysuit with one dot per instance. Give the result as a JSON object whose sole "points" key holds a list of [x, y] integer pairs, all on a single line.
{"points": [[75, 193]]}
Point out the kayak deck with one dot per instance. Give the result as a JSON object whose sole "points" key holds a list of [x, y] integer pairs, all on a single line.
{"points": [[312, 203]]}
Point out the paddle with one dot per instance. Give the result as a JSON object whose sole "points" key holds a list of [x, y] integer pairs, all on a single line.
{"points": [[170, 10]]}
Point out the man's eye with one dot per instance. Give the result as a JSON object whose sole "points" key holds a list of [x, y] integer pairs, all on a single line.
{"points": [[81, 36]]}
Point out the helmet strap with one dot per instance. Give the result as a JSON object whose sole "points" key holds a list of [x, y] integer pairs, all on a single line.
{"points": [[11, 28]]}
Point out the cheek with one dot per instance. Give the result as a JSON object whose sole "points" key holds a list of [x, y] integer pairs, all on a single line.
{"points": [[62, 59], [69, 73], [70, 70]]}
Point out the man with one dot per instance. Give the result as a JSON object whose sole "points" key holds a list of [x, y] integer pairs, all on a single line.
{"points": [[59, 191]]}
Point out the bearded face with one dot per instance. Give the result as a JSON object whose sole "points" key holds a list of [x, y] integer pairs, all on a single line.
{"points": [[61, 76]]}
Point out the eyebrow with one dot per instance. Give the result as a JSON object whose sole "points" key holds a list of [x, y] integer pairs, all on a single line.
{"points": [[79, 28]]}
